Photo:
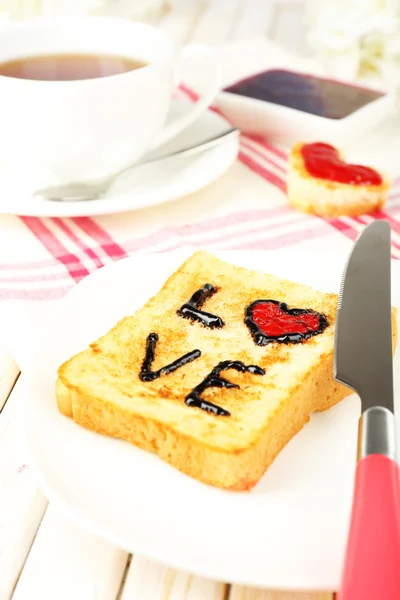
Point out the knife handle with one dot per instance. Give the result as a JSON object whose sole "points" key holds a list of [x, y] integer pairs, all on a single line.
{"points": [[372, 565]]}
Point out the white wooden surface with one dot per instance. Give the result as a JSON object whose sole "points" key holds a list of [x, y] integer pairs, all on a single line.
{"points": [[42, 555]]}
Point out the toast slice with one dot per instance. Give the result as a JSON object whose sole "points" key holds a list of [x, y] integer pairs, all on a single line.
{"points": [[192, 416], [328, 198]]}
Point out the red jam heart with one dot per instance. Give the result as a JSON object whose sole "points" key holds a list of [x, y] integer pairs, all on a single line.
{"points": [[323, 162], [273, 321]]}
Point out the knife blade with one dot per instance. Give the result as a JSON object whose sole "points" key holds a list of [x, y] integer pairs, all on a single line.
{"points": [[363, 340], [363, 361]]}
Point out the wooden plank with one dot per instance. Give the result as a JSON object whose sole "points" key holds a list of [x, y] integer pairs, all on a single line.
{"points": [[149, 581], [244, 593], [216, 22], [68, 563], [181, 19], [9, 372], [21, 505], [254, 19]]}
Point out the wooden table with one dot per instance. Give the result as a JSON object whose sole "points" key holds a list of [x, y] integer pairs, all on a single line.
{"points": [[42, 554]]}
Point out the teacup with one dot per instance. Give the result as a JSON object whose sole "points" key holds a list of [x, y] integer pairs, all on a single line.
{"points": [[57, 132]]}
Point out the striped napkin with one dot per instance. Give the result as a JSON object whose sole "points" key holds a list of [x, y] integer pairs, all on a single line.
{"points": [[43, 258]]}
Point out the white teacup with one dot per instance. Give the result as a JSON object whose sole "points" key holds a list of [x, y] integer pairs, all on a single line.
{"points": [[56, 132]]}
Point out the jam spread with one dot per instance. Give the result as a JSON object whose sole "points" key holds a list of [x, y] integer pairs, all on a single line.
{"points": [[323, 162], [268, 321], [191, 309], [273, 321], [214, 379], [146, 374], [306, 93]]}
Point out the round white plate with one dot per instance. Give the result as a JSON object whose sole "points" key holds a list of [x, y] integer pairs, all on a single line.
{"points": [[144, 186], [288, 533]]}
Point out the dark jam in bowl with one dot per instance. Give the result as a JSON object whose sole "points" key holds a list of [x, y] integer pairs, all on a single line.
{"points": [[309, 94]]}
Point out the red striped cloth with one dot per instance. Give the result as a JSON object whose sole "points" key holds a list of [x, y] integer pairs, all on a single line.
{"points": [[246, 209]]}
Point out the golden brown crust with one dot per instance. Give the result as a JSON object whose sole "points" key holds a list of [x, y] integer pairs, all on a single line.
{"points": [[328, 198], [101, 390], [237, 470]]}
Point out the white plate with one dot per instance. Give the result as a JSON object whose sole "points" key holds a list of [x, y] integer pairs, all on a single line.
{"points": [[288, 533], [145, 186]]}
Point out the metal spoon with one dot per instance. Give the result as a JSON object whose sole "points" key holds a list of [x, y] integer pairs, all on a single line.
{"points": [[77, 192]]}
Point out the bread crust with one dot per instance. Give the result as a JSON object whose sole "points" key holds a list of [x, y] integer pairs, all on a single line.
{"points": [[236, 470], [100, 389], [329, 198]]}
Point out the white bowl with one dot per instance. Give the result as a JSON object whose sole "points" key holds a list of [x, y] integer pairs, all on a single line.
{"points": [[286, 126]]}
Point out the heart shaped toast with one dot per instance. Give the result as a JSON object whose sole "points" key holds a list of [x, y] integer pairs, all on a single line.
{"points": [[321, 182]]}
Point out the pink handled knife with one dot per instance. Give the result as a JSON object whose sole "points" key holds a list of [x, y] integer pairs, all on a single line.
{"points": [[363, 361]]}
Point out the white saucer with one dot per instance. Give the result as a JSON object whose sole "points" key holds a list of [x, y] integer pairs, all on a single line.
{"points": [[146, 186], [289, 532]]}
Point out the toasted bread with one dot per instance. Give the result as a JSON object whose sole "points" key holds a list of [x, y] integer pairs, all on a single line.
{"points": [[101, 388], [328, 198]]}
